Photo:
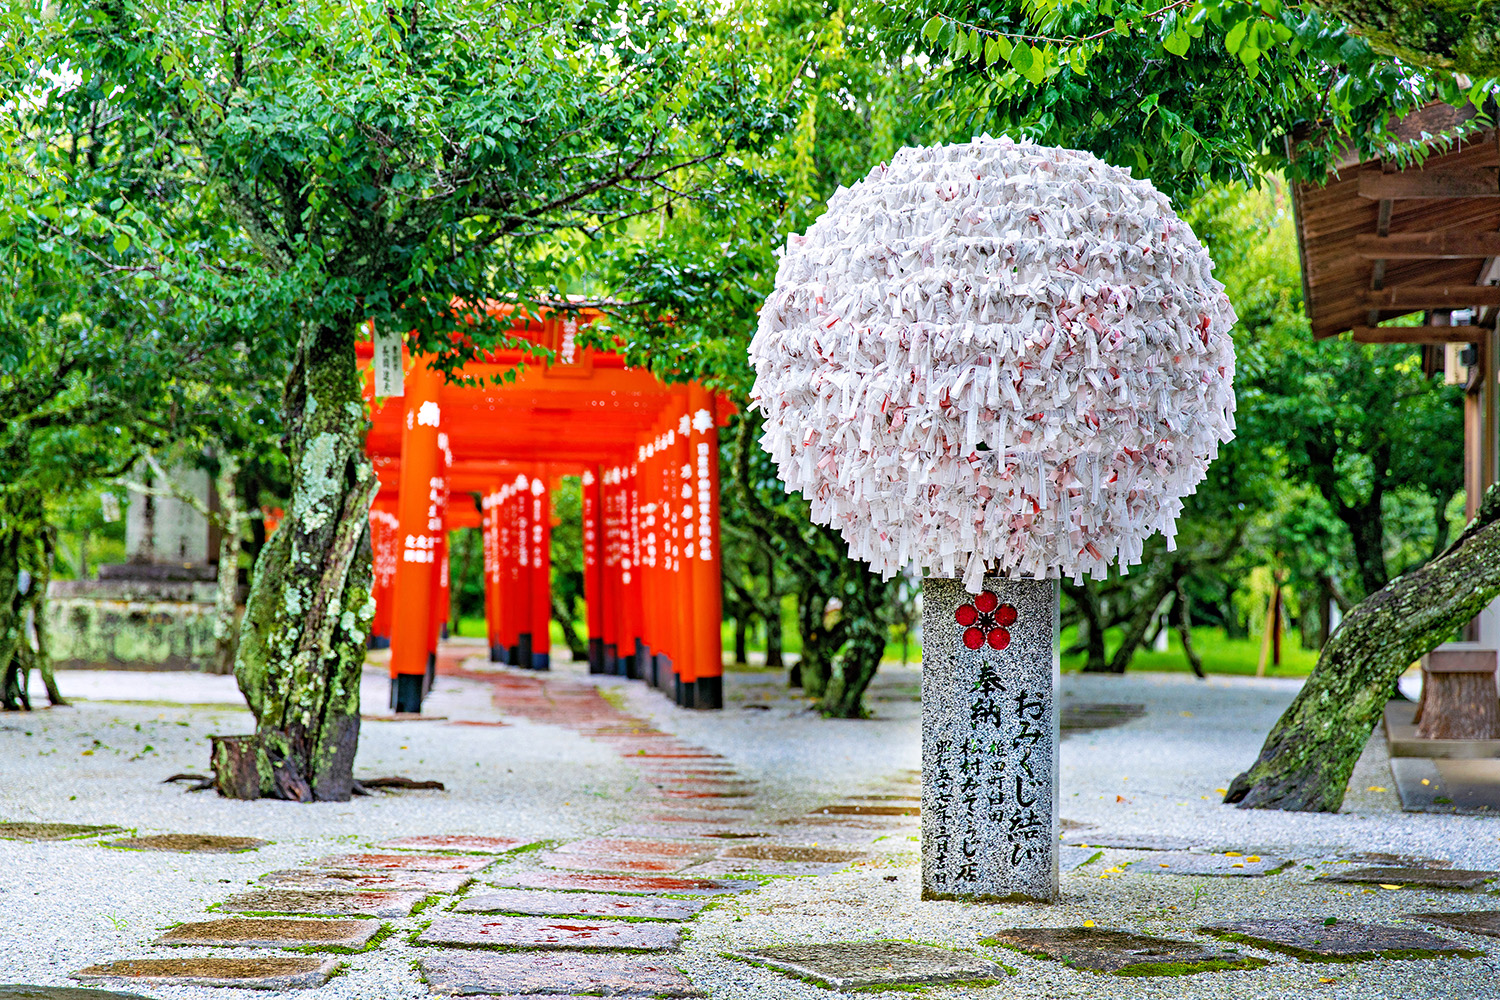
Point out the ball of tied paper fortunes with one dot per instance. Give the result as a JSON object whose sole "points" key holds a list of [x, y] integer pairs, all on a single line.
{"points": [[995, 357]]}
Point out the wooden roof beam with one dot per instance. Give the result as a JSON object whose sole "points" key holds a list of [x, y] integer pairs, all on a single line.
{"points": [[1454, 245], [1377, 268], [1413, 297], [1419, 334], [1470, 182]]}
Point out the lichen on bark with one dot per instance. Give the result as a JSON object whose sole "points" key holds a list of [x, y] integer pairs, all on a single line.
{"points": [[1458, 35], [1306, 761], [302, 638]]}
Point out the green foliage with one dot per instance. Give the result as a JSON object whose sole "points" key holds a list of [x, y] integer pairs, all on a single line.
{"points": [[1187, 92]]}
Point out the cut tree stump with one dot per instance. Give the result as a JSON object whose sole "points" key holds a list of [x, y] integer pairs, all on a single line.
{"points": [[1459, 700], [233, 762]]}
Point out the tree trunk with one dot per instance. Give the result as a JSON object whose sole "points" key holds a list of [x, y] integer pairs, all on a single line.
{"points": [[302, 640], [25, 541], [1147, 609], [1307, 758], [39, 619], [1367, 530], [1092, 623], [578, 649], [740, 642], [852, 670], [818, 643], [226, 597], [1182, 612], [773, 640], [773, 616]]}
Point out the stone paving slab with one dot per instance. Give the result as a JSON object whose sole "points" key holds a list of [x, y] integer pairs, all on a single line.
{"points": [[332, 903], [52, 831], [792, 852], [692, 826], [22, 991], [403, 862], [867, 810], [630, 846], [460, 842], [855, 964], [574, 933], [1486, 922], [259, 932], [552, 973], [743, 867], [316, 880], [190, 843], [610, 863], [1120, 952], [640, 884], [268, 972], [1447, 786], [1315, 940], [853, 833], [1131, 841], [1070, 858], [535, 902], [1385, 859], [1174, 863], [1426, 878]]}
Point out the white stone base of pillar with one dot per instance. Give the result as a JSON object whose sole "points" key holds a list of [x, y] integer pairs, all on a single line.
{"points": [[989, 740]]}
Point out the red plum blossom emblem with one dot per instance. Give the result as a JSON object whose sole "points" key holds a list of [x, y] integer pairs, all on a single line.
{"points": [[985, 621]]}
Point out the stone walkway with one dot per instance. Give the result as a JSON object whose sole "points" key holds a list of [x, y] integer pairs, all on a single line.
{"points": [[728, 872]]}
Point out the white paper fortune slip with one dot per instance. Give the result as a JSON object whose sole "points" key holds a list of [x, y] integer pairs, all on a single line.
{"points": [[995, 355], [389, 379]]}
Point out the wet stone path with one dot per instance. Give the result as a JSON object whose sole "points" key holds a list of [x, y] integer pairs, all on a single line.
{"points": [[708, 890]]}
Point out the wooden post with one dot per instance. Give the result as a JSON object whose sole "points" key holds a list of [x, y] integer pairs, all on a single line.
{"points": [[438, 523], [541, 573], [417, 509], [685, 499], [385, 544], [593, 579], [490, 507], [707, 574], [636, 606], [524, 575], [669, 635]]}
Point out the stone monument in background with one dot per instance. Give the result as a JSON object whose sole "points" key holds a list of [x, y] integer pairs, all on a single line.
{"points": [[996, 363], [155, 610]]}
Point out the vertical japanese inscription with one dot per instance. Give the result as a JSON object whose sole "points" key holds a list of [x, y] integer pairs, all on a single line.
{"points": [[989, 740]]}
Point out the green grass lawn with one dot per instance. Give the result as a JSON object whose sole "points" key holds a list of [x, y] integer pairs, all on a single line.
{"points": [[1221, 655]]}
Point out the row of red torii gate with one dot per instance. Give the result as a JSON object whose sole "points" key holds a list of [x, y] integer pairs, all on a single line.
{"points": [[481, 452]]}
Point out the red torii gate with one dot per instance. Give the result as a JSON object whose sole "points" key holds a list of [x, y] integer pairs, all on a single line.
{"points": [[647, 455]]}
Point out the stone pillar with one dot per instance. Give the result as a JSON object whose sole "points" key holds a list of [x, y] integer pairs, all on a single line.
{"points": [[989, 740]]}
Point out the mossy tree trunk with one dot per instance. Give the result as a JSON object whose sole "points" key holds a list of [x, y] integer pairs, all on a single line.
{"points": [[26, 542], [1306, 761], [302, 640]]}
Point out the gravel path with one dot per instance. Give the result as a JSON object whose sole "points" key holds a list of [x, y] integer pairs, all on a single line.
{"points": [[558, 768]]}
